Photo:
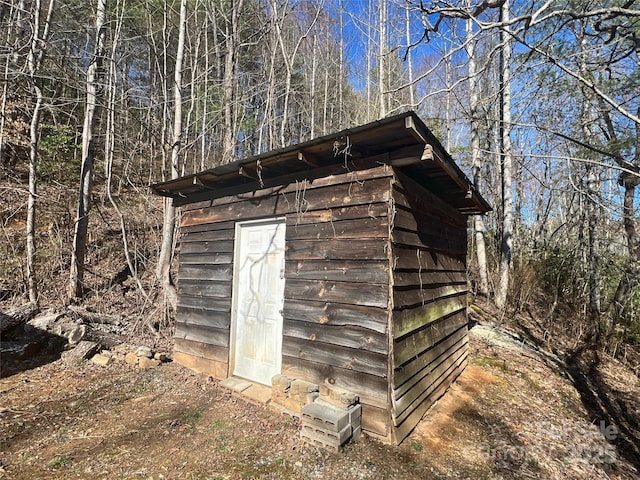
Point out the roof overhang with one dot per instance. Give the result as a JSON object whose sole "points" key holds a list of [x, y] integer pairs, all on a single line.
{"points": [[402, 141]]}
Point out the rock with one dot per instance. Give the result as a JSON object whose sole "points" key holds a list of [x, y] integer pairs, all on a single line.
{"points": [[144, 362], [163, 357], [131, 358], [100, 359], [144, 351], [82, 351]]}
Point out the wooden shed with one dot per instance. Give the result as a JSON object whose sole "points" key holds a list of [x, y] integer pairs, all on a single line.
{"points": [[339, 260]]}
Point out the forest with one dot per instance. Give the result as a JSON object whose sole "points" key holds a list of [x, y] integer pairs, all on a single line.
{"points": [[539, 102]]}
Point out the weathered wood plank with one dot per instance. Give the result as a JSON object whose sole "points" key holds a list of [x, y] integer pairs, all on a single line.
{"points": [[376, 420], [218, 337], [337, 356], [290, 201], [427, 278], [408, 297], [415, 344], [204, 303], [424, 221], [401, 431], [370, 295], [352, 336], [373, 390], [339, 270], [205, 227], [418, 384], [359, 176], [359, 228], [404, 377], [197, 288], [371, 318], [408, 320], [405, 217], [410, 194], [420, 258], [212, 247], [205, 272], [337, 250], [407, 404], [210, 258], [371, 210], [201, 365], [206, 236], [202, 350], [431, 241], [210, 318]]}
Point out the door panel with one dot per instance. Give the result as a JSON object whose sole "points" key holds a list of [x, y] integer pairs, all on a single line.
{"points": [[258, 300]]}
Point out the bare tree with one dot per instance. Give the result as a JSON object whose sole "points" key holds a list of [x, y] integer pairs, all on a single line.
{"points": [[163, 270], [506, 159], [93, 80], [36, 52], [474, 107]]}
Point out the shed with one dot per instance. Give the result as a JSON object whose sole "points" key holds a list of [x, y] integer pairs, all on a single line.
{"points": [[340, 260]]}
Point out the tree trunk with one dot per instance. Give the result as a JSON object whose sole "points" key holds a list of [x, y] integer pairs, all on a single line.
{"points": [[631, 275], [506, 164], [474, 106], [17, 315], [35, 58], [76, 275], [163, 271], [382, 22], [232, 43]]}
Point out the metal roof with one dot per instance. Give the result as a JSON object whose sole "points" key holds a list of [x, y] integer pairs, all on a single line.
{"points": [[402, 141]]}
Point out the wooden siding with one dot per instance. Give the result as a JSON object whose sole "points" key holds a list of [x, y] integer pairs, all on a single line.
{"points": [[429, 320], [335, 312]]}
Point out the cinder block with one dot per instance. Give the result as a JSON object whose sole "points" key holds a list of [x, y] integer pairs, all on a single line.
{"points": [[327, 437], [293, 405], [357, 433], [355, 415], [311, 397], [280, 382], [301, 387], [325, 416], [338, 396], [277, 395]]}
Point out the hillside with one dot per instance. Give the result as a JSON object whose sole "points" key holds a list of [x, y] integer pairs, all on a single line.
{"points": [[513, 413]]}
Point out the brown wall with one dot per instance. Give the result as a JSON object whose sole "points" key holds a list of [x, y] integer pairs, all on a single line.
{"points": [[336, 291], [429, 240]]}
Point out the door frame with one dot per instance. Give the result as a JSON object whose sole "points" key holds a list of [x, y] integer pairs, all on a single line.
{"points": [[234, 281]]}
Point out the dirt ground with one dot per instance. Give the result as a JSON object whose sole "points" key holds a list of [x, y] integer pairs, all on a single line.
{"points": [[511, 414]]}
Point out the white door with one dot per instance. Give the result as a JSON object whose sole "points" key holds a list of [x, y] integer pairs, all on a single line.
{"points": [[258, 300]]}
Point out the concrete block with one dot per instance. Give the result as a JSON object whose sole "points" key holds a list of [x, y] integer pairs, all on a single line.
{"points": [[292, 405], [327, 437], [280, 382], [325, 416], [311, 397], [302, 387], [338, 396]]}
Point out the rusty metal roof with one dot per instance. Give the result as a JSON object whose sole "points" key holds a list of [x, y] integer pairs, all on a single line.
{"points": [[402, 141]]}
